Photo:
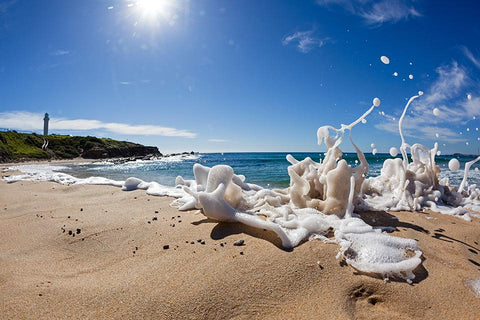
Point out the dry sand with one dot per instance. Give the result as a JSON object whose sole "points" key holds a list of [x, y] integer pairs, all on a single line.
{"points": [[117, 266]]}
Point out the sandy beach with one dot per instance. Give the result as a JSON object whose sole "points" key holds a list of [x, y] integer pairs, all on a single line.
{"points": [[99, 252]]}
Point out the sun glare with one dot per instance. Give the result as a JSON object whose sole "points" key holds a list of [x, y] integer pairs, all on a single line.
{"points": [[154, 9]]}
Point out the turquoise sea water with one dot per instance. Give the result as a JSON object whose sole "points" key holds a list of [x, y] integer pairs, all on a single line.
{"points": [[265, 169]]}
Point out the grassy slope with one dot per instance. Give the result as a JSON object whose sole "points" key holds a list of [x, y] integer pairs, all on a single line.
{"points": [[15, 146]]}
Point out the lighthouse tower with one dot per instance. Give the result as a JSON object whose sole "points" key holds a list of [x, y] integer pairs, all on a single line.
{"points": [[45, 124]]}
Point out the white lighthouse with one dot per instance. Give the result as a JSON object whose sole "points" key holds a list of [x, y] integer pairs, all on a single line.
{"points": [[45, 124]]}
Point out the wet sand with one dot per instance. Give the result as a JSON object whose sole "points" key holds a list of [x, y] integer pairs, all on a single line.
{"points": [[98, 252]]}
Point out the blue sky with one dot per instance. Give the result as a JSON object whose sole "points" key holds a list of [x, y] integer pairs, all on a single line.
{"points": [[220, 76]]}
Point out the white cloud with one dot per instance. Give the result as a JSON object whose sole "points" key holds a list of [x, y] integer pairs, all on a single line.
{"points": [[34, 121], [471, 57], [305, 40], [60, 52], [125, 83], [217, 140], [377, 12], [446, 94]]}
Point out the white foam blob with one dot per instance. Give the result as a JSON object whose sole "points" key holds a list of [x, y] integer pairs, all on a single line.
{"points": [[410, 76], [437, 135], [376, 102], [372, 145], [395, 74], [469, 96], [474, 284], [420, 93], [439, 153], [453, 165], [436, 112], [468, 129], [410, 63], [364, 121], [393, 151], [374, 151], [467, 143], [385, 59]]}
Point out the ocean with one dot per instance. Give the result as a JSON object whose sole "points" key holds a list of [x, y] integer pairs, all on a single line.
{"points": [[267, 169]]}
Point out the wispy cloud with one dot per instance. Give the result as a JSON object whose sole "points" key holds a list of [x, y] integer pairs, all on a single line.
{"points": [[446, 94], [5, 5], [60, 52], [217, 140], [377, 12], [305, 41], [471, 57], [125, 83], [34, 121]]}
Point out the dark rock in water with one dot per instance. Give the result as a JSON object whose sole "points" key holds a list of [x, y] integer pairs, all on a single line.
{"points": [[165, 247], [238, 243]]}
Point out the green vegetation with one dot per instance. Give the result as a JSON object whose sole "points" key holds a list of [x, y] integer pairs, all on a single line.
{"points": [[16, 146]]}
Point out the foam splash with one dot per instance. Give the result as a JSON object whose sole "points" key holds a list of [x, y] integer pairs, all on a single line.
{"points": [[321, 198]]}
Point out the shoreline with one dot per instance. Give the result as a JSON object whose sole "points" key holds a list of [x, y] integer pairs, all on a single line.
{"points": [[117, 267]]}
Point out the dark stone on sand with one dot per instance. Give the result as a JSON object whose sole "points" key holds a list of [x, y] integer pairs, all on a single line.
{"points": [[156, 211], [241, 253], [79, 230], [199, 240], [154, 218], [81, 209], [221, 244], [68, 217], [70, 232], [149, 222], [192, 242], [203, 242], [165, 247], [238, 243]]}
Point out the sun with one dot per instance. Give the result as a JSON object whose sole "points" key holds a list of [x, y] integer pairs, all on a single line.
{"points": [[153, 9]]}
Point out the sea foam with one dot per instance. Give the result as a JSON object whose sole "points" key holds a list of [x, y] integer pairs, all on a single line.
{"points": [[320, 200]]}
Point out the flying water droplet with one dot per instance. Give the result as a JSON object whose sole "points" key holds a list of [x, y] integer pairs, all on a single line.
{"points": [[385, 59]]}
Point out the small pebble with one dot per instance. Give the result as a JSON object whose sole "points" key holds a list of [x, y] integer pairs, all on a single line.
{"points": [[238, 243], [199, 240], [203, 242], [154, 218], [165, 247], [70, 232], [78, 231], [192, 242], [156, 211], [241, 253], [81, 209]]}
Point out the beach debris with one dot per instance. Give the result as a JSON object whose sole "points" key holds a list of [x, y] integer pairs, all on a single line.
{"points": [[238, 243]]}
